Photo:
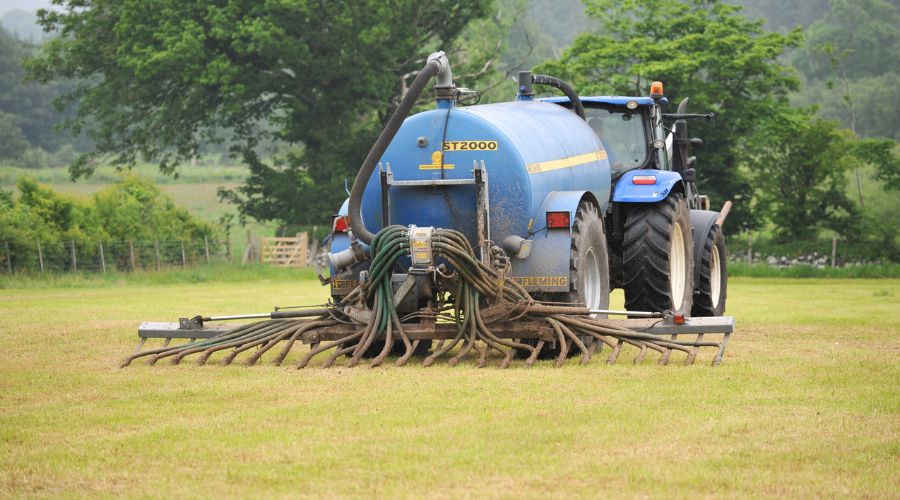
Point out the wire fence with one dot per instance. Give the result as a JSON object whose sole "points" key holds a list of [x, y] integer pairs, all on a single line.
{"points": [[109, 256]]}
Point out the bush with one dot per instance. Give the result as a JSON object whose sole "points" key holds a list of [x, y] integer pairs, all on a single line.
{"points": [[35, 158], [876, 246], [131, 209], [12, 141]]}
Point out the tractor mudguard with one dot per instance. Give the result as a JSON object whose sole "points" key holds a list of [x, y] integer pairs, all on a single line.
{"points": [[702, 221], [561, 201], [627, 191]]}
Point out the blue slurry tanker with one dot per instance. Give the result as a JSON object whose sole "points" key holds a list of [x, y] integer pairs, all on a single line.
{"points": [[497, 231], [544, 164]]}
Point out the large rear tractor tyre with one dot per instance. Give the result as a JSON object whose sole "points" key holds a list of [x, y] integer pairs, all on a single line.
{"points": [[709, 299], [588, 267], [658, 257]]}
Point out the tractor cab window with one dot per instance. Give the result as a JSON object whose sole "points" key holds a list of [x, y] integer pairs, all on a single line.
{"points": [[623, 135]]}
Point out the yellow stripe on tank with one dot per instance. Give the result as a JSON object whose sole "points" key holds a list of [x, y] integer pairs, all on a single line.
{"points": [[572, 161]]}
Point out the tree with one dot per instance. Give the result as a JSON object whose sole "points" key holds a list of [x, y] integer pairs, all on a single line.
{"points": [[866, 30], [157, 83], [850, 66], [702, 49], [802, 177], [884, 156], [780, 15], [12, 141], [29, 102]]}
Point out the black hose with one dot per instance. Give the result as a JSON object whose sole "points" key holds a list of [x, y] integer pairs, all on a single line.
{"points": [[387, 135], [565, 88]]}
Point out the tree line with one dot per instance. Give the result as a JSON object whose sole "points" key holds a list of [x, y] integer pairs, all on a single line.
{"points": [[804, 143]]}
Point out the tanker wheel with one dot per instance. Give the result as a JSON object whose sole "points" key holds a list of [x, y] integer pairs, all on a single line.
{"points": [[709, 299], [658, 257], [589, 269]]}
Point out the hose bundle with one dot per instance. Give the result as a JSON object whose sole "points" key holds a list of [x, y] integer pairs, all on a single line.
{"points": [[483, 297]]}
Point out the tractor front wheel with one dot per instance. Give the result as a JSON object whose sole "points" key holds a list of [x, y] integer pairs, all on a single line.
{"points": [[658, 257]]}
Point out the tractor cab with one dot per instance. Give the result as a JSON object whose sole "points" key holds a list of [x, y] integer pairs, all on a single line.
{"points": [[625, 126], [639, 144]]}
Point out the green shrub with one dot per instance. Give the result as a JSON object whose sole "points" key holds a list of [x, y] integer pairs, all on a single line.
{"points": [[130, 209]]}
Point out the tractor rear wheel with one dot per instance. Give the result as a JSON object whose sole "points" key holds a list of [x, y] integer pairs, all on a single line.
{"points": [[658, 257], [709, 300], [588, 268]]}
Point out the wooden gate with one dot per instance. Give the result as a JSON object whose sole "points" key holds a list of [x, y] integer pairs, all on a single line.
{"points": [[285, 252]]}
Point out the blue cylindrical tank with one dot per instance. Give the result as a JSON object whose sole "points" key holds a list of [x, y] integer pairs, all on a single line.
{"points": [[529, 149]]}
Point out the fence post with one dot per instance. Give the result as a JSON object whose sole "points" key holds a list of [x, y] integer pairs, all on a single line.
{"points": [[40, 256], [833, 250], [131, 254], [749, 248], [206, 247], [102, 257], [74, 258], [183, 259], [8, 258], [156, 245]]}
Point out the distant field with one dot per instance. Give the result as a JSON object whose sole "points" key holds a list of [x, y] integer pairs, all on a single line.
{"points": [[805, 405]]}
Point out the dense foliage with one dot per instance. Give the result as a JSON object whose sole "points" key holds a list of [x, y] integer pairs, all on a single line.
{"points": [[851, 66], [706, 51], [131, 209], [157, 83], [27, 114], [299, 89]]}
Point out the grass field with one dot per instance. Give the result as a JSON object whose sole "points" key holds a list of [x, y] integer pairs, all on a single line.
{"points": [[807, 403]]}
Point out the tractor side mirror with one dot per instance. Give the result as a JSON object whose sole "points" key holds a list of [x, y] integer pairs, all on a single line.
{"points": [[696, 142], [690, 161]]}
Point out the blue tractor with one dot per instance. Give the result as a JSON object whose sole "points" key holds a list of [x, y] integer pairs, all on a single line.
{"points": [[499, 229], [666, 247]]}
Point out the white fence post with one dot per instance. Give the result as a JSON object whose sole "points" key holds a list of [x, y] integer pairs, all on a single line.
{"points": [[833, 250], [40, 257], [102, 257], [749, 248]]}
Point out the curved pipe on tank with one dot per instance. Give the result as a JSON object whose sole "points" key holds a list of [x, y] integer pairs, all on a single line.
{"points": [[437, 65], [565, 88]]}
